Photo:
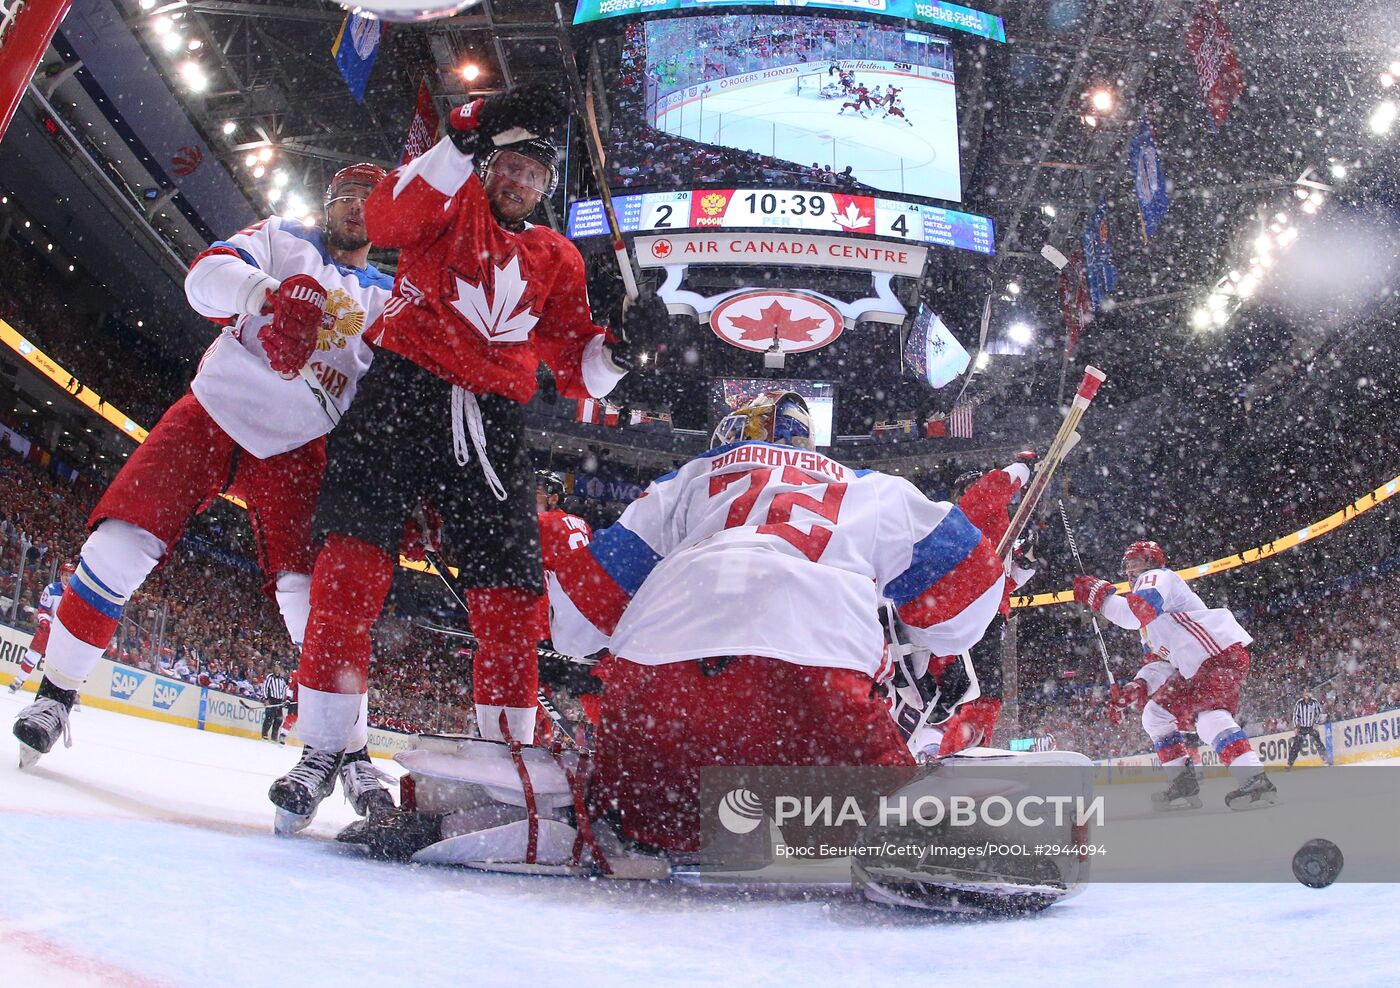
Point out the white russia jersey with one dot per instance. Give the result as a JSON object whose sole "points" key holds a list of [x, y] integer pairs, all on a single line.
{"points": [[1176, 625], [757, 549], [260, 410], [48, 600]]}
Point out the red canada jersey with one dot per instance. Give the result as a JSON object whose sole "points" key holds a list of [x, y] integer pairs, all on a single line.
{"points": [[474, 303], [560, 534]]}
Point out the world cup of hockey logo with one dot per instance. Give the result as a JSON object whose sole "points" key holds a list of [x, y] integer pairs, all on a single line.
{"points": [[740, 811]]}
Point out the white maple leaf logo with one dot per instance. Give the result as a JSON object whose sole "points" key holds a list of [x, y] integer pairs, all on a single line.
{"points": [[851, 218], [498, 310]]}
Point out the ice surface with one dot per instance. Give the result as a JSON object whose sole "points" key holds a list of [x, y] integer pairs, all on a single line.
{"points": [[143, 856], [884, 152]]}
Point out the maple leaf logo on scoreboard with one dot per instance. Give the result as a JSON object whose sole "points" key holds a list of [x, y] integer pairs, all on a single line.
{"points": [[797, 322], [499, 308]]}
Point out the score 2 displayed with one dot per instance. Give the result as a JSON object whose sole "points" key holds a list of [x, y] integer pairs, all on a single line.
{"points": [[796, 211]]}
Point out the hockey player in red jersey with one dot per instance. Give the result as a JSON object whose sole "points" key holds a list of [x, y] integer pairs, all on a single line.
{"points": [[859, 101], [43, 620], [1196, 662], [560, 533], [290, 299], [482, 296]]}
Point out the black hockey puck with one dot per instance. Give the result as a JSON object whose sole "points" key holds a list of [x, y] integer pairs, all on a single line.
{"points": [[1317, 863]]}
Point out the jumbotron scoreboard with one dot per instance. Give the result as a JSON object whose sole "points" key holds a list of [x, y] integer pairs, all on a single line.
{"points": [[791, 210]]}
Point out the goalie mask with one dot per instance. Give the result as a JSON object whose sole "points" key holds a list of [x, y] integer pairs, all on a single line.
{"points": [[773, 417]]}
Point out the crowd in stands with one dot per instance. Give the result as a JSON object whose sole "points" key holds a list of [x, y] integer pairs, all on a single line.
{"points": [[201, 617], [95, 349]]}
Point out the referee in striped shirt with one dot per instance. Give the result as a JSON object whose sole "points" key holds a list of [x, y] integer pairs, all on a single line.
{"points": [[274, 694], [1307, 714]]}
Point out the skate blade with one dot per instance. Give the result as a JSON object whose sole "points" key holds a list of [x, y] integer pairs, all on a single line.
{"points": [[288, 824], [1244, 804], [1190, 803], [28, 756]]}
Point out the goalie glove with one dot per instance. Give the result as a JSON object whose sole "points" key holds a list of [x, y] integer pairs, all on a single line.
{"points": [[298, 309], [1092, 592], [1133, 696], [527, 112]]}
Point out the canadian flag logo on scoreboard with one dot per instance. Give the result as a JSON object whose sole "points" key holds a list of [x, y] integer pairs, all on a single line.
{"points": [[854, 214], [795, 322], [707, 208]]}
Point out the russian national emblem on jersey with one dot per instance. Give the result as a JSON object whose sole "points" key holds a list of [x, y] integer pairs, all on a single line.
{"points": [[344, 320], [501, 306]]}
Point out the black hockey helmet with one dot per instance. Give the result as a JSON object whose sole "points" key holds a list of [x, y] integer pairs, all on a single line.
{"points": [[964, 481], [551, 483]]}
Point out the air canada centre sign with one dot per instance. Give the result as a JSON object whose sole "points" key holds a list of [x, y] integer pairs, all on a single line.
{"points": [[796, 321], [761, 249]]}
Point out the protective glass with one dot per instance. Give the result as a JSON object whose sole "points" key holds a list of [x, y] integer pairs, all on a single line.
{"points": [[522, 171]]}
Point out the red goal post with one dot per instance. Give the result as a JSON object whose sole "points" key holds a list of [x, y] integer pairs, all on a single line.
{"points": [[26, 28], [809, 83]]}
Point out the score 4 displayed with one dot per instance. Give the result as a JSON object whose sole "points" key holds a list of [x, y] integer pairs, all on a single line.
{"points": [[798, 211]]}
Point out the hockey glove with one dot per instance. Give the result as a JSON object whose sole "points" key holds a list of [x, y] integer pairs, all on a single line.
{"points": [[1133, 696], [644, 324], [971, 725], [494, 121], [1092, 592], [298, 309], [463, 126]]}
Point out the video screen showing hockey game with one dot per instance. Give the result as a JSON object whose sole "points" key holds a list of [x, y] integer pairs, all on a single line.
{"points": [[817, 102], [729, 393]]}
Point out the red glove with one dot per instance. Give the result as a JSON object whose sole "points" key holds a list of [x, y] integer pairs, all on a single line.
{"points": [[1134, 696], [462, 124], [971, 725], [1028, 457], [1092, 592], [298, 309]]}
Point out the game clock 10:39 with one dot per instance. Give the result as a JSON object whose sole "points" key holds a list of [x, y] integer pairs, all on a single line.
{"points": [[795, 210]]}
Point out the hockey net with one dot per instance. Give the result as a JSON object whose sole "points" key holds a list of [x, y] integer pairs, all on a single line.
{"points": [[809, 84]]}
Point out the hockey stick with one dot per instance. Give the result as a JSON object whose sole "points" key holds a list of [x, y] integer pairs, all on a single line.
{"points": [[255, 707], [467, 636], [1093, 618], [319, 393], [594, 143], [1063, 442]]}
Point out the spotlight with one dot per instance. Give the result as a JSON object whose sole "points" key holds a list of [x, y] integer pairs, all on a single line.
{"points": [[172, 42], [1014, 287], [1387, 80], [279, 177], [1101, 100], [161, 26], [259, 171], [1222, 316], [1309, 207], [982, 360], [1200, 318], [1090, 120], [1263, 244], [1301, 192], [1382, 117], [1048, 210], [1339, 170], [229, 127], [147, 4], [470, 71], [250, 160], [195, 44], [265, 154], [194, 76], [1020, 332], [273, 194]]}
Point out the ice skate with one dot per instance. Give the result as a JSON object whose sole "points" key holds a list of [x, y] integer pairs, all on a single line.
{"points": [[1256, 794], [364, 785], [43, 722], [1183, 793], [297, 794]]}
